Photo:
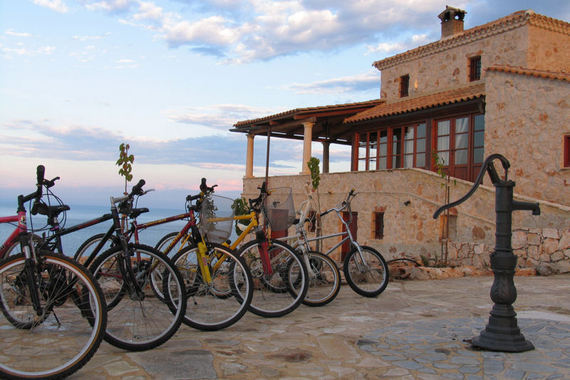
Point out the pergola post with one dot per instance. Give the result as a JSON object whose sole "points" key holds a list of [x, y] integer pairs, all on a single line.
{"points": [[326, 146], [307, 140], [249, 157]]}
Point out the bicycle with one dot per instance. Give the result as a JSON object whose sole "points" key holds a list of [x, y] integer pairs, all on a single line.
{"points": [[365, 269], [275, 295], [279, 274], [211, 272], [54, 311], [324, 275], [137, 319]]}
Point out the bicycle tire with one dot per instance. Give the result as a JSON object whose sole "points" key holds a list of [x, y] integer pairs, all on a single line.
{"points": [[86, 248], [165, 241], [139, 322], [213, 306], [161, 246], [14, 249], [69, 332], [368, 279], [324, 280], [289, 272]]}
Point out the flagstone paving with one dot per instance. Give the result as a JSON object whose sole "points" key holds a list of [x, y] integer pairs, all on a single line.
{"points": [[414, 330]]}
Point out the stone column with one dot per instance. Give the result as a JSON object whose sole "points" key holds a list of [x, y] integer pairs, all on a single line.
{"points": [[308, 139], [326, 146], [249, 157]]}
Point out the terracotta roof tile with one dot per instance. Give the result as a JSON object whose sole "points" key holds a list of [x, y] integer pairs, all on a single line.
{"points": [[531, 72], [512, 21], [307, 110], [421, 102]]}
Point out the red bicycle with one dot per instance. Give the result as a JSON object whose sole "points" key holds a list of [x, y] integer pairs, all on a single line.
{"points": [[54, 311]]}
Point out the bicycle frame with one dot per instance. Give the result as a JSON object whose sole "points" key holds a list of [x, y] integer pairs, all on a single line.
{"points": [[300, 238], [21, 228], [183, 234]]}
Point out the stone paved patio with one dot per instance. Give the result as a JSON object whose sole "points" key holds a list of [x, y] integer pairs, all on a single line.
{"points": [[414, 330]]}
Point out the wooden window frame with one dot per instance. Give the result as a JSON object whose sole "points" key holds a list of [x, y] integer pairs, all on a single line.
{"points": [[475, 68], [364, 159], [404, 85], [472, 168], [566, 160], [378, 225]]}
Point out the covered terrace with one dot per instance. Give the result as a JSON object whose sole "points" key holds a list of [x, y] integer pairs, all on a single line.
{"points": [[323, 124]]}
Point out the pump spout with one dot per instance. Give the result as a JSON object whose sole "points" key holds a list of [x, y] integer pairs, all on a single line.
{"points": [[534, 207]]}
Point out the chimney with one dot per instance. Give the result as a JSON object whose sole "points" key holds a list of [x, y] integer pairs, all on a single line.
{"points": [[451, 21]]}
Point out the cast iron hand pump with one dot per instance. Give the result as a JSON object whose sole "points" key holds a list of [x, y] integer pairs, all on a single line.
{"points": [[502, 332]]}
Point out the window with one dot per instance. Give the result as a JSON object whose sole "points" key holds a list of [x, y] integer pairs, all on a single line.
{"points": [[567, 151], [459, 144], [406, 150], [415, 146], [474, 68], [404, 85], [378, 225]]}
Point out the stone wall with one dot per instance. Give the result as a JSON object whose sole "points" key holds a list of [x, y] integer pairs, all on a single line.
{"points": [[548, 50], [450, 68], [526, 118], [409, 197]]}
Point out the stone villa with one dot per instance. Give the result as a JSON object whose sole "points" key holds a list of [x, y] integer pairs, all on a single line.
{"points": [[501, 87]]}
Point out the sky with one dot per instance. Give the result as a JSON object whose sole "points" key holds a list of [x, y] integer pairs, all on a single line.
{"points": [[170, 78]]}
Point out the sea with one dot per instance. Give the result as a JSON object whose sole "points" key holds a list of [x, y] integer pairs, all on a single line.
{"points": [[82, 213]]}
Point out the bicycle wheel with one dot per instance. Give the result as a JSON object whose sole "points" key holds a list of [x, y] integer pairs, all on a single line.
{"points": [[15, 247], [281, 291], [324, 279], [67, 332], [223, 301], [161, 246], [367, 274], [88, 246], [165, 241], [138, 319]]}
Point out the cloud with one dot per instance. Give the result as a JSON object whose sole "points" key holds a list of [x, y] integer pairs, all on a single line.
{"points": [[221, 117], [361, 82], [21, 50], [242, 31], [249, 30], [91, 38], [13, 33], [54, 5], [111, 6], [82, 145]]}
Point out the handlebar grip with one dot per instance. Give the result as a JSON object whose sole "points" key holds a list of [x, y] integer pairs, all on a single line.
{"points": [[50, 183], [204, 188], [40, 172], [190, 198], [137, 189]]}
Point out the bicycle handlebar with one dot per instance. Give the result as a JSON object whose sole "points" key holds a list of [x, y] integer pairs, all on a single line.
{"points": [[342, 205], [40, 172], [255, 203], [205, 188], [136, 190]]}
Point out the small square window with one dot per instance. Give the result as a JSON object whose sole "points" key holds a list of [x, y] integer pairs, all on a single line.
{"points": [[378, 225], [474, 68], [404, 85], [567, 151]]}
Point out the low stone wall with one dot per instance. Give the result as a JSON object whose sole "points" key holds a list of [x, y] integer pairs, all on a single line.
{"points": [[547, 250], [408, 199]]}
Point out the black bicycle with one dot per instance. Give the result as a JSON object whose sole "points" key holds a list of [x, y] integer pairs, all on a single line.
{"points": [[137, 319]]}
